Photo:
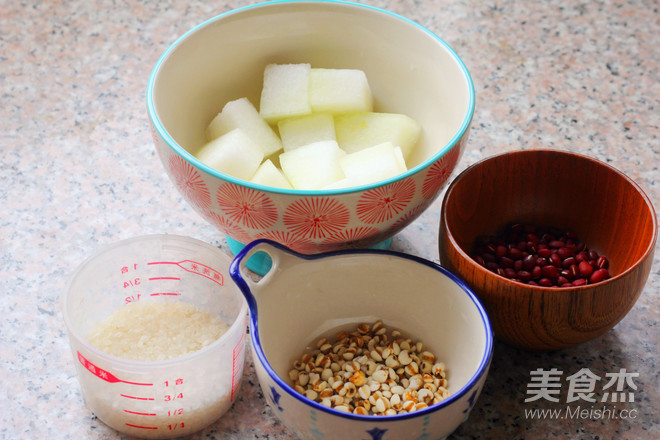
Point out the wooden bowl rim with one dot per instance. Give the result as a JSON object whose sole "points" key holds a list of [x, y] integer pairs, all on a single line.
{"points": [[541, 289]]}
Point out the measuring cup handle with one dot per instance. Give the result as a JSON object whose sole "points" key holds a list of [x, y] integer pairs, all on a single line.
{"points": [[280, 255]]}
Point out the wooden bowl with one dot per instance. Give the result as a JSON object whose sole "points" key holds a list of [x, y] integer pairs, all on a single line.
{"points": [[605, 208]]}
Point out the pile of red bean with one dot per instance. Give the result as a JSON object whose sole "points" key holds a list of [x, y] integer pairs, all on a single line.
{"points": [[541, 257]]}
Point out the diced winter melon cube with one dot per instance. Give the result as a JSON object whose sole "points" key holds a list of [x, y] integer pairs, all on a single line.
{"points": [[356, 131], [308, 129], [269, 175], [398, 154], [313, 166], [233, 153], [372, 164], [242, 114], [285, 91], [346, 182], [339, 91]]}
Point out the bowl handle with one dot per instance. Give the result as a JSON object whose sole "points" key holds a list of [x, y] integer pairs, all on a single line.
{"points": [[280, 255]]}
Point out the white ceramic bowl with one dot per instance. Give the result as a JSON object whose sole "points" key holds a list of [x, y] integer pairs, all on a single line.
{"points": [[304, 297], [410, 71]]}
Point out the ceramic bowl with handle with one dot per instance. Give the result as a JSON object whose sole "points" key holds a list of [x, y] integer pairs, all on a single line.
{"points": [[607, 211], [410, 71], [303, 298]]}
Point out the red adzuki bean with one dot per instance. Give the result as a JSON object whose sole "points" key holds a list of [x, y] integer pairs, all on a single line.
{"points": [[569, 262], [599, 275], [509, 273], [585, 269], [506, 262], [529, 261], [515, 254], [555, 260], [549, 271], [541, 257], [545, 282], [565, 252], [544, 252]]}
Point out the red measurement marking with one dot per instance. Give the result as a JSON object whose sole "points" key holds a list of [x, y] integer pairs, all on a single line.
{"points": [[170, 397], [165, 294], [132, 298], [103, 374], [139, 413], [136, 398], [235, 372], [195, 267], [132, 283], [141, 427], [164, 278]]}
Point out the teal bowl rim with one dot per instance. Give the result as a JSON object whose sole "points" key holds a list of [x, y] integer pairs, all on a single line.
{"points": [[153, 116]]}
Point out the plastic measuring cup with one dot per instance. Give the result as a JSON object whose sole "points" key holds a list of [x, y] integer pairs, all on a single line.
{"points": [[157, 399]]}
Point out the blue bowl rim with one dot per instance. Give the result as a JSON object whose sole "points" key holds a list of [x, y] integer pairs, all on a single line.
{"points": [[179, 150], [482, 369]]}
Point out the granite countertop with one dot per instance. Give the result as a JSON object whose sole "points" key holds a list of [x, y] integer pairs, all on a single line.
{"points": [[79, 171]]}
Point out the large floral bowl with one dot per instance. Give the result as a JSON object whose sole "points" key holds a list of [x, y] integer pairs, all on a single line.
{"points": [[410, 71]]}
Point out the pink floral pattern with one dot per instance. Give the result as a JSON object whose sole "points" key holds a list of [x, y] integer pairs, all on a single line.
{"points": [[386, 202], [248, 207], [226, 225], [351, 238], [290, 240], [189, 182], [308, 223], [439, 173], [316, 218]]}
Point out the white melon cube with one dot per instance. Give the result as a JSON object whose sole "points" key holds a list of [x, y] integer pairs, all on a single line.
{"points": [[398, 154], [285, 91], [356, 131], [313, 166], [233, 153], [344, 183], [269, 175], [305, 130], [373, 164], [339, 91], [240, 113]]}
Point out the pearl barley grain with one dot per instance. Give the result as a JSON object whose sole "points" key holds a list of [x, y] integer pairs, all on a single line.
{"points": [[371, 372]]}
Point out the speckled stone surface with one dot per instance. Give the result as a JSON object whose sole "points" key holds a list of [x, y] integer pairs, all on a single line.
{"points": [[79, 171]]}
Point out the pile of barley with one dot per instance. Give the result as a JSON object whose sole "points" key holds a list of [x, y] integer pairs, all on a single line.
{"points": [[371, 372]]}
